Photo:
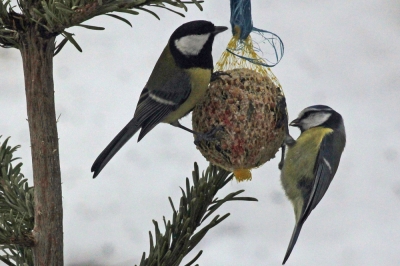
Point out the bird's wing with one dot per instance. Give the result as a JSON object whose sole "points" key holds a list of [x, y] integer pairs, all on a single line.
{"points": [[325, 168], [155, 104]]}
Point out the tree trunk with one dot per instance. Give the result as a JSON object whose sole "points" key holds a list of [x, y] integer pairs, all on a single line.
{"points": [[37, 57]]}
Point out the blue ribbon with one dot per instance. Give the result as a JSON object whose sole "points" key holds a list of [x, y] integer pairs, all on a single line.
{"points": [[241, 17]]}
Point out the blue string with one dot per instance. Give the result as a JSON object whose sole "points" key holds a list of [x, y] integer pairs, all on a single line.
{"points": [[241, 17]]}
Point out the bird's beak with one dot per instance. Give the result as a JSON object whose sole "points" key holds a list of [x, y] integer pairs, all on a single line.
{"points": [[295, 123], [219, 29]]}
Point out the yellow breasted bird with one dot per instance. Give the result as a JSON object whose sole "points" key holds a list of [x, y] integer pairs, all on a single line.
{"points": [[311, 162], [179, 80]]}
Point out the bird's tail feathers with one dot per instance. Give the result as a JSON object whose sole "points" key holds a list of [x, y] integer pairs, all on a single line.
{"points": [[115, 145], [295, 235]]}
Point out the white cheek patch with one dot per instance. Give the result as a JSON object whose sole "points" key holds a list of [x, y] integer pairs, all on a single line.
{"points": [[192, 44], [314, 120]]}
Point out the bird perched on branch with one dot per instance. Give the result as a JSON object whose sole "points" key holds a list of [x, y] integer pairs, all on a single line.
{"points": [[311, 162], [179, 80]]}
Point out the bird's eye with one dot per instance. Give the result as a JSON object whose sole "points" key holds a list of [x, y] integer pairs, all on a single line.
{"points": [[305, 115]]}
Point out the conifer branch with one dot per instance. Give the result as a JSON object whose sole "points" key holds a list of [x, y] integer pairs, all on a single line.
{"points": [[16, 210], [51, 17], [196, 205]]}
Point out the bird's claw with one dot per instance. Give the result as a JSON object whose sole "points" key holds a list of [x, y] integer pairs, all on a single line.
{"points": [[280, 165], [217, 75], [289, 140], [208, 136]]}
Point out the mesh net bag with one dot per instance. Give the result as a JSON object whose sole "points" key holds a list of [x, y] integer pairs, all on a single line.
{"points": [[246, 100]]}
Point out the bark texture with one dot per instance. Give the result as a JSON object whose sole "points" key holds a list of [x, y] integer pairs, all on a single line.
{"points": [[37, 56]]}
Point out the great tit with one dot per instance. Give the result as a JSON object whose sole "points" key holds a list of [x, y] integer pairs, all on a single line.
{"points": [[179, 80], [311, 162]]}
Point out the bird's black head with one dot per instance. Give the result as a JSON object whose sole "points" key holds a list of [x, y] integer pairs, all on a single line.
{"points": [[318, 115], [191, 44]]}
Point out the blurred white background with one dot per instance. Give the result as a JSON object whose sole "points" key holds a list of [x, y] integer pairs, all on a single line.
{"points": [[344, 54]]}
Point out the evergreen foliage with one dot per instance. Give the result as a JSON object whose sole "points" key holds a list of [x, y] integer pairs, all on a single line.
{"points": [[16, 210], [52, 17], [197, 203]]}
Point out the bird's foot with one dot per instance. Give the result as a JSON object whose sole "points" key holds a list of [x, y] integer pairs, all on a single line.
{"points": [[280, 165], [217, 75], [289, 141], [208, 136]]}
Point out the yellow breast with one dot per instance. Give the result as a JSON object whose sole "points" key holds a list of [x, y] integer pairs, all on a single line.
{"points": [[301, 157], [299, 163]]}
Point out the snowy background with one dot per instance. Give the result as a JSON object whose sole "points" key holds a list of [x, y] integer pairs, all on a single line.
{"points": [[344, 54]]}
